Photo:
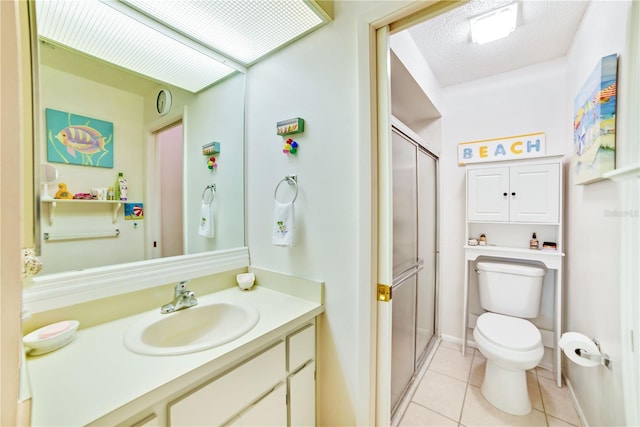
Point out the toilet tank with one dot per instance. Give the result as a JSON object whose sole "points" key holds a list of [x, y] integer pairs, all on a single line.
{"points": [[510, 288]]}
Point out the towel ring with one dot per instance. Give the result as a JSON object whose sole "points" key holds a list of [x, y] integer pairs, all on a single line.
{"points": [[212, 189], [291, 180]]}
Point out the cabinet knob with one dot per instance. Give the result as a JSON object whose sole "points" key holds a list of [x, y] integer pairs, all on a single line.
{"points": [[513, 194], [504, 194]]}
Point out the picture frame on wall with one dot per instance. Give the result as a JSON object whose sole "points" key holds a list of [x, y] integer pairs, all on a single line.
{"points": [[594, 123], [78, 140]]}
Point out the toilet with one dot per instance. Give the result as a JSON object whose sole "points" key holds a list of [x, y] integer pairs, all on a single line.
{"points": [[510, 293]]}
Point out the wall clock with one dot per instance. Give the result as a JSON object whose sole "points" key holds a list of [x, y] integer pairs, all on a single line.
{"points": [[163, 102]]}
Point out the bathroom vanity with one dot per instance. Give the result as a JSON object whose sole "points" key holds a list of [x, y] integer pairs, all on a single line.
{"points": [[265, 377]]}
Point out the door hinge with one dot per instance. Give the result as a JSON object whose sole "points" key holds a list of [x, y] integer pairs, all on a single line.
{"points": [[384, 293]]}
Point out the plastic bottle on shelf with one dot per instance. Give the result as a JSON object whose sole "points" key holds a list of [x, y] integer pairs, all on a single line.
{"points": [[121, 187]]}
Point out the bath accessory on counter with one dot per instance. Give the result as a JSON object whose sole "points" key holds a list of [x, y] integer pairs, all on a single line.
{"points": [[207, 226], [246, 280], [533, 243], [50, 337], [483, 240], [284, 216], [583, 351]]}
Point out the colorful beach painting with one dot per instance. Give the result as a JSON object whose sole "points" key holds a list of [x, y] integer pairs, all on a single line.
{"points": [[594, 123], [78, 140]]}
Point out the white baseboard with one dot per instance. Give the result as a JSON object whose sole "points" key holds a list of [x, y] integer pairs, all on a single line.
{"points": [[576, 403]]}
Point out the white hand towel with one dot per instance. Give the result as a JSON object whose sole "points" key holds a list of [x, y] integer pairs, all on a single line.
{"points": [[206, 227], [284, 224]]}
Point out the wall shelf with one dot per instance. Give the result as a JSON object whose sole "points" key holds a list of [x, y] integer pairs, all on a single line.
{"points": [[53, 204], [623, 173]]}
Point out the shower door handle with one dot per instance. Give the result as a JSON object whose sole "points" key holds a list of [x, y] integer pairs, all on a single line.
{"points": [[407, 273]]}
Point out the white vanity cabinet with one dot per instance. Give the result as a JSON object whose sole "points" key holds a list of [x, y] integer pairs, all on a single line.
{"points": [[273, 388], [514, 193], [225, 397]]}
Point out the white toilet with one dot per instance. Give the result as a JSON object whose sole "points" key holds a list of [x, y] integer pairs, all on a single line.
{"points": [[510, 293]]}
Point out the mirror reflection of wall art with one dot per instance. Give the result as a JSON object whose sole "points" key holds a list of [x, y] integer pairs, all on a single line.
{"points": [[79, 140], [594, 123]]}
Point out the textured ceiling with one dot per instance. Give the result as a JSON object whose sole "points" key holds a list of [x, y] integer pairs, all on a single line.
{"points": [[544, 32]]}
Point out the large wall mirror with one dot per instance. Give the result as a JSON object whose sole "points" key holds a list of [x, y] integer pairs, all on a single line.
{"points": [[160, 156], [154, 137]]}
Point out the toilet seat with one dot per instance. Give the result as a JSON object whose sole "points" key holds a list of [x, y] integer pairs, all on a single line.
{"points": [[508, 332]]}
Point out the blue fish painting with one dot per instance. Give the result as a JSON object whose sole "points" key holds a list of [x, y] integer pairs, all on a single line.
{"points": [[80, 140]]}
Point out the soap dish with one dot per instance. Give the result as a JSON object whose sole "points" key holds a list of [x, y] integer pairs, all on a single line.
{"points": [[50, 337], [246, 280]]}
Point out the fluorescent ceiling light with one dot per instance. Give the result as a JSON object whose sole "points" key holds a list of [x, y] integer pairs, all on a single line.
{"points": [[98, 30], [242, 30], [494, 25], [189, 44]]}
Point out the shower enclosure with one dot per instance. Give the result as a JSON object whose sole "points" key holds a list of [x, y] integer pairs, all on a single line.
{"points": [[414, 176]]}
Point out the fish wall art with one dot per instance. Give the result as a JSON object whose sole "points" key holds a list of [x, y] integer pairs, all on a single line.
{"points": [[79, 140]]}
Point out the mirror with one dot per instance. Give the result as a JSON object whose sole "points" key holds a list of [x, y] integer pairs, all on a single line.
{"points": [[83, 234]]}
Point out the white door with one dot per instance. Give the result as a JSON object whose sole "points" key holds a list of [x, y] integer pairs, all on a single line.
{"points": [[534, 193], [488, 194], [169, 174]]}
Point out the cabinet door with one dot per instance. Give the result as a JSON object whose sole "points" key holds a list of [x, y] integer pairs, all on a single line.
{"points": [[220, 400], [488, 194], [302, 396], [271, 410], [534, 193]]}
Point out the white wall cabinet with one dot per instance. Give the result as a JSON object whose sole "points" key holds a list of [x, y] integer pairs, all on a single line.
{"points": [[273, 388], [516, 193], [508, 202]]}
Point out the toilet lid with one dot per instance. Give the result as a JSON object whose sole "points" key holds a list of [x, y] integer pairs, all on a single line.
{"points": [[509, 332]]}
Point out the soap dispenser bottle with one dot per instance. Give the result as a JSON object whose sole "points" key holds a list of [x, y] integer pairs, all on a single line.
{"points": [[533, 243]]}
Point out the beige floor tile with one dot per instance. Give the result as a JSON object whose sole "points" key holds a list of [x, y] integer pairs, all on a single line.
{"points": [[477, 411], [451, 362], [555, 422], [455, 346], [534, 391], [441, 394], [417, 415], [557, 401], [477, 369], [544, 373]]}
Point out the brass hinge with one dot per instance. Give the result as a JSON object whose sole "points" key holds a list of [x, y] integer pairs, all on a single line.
{"points": [[384, 293]]}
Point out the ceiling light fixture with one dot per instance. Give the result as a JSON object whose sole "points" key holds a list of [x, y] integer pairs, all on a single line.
{"points": [[494, 25]]}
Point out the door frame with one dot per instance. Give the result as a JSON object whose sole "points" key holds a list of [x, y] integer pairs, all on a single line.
{"points": [[381, 195]]}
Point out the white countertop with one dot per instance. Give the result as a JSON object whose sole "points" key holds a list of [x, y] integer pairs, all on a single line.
{"points": [[95, 374]]}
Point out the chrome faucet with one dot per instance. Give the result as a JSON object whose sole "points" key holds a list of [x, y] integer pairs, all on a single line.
{"points": [[182, 298]]}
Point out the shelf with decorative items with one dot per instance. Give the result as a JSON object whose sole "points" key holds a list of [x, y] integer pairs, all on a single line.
{"points": [[209, 150], [53, 204], [514, 213], [290, 126]]}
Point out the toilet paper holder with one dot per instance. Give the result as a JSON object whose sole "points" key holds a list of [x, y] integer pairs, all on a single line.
{"points": [[601, 358]]}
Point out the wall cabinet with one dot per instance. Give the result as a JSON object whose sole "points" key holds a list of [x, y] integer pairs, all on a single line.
{"points": [[273, 388], [517, 193], [508, 202]]}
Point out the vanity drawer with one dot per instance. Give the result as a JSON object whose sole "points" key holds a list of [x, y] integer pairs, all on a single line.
{"points": [[302, 347], [227, 395]]}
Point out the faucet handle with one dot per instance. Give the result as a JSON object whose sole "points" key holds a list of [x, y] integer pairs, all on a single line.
{"points": [[181, 288]]}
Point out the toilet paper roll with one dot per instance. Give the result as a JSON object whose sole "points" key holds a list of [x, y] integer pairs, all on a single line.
{"points": [[573, 342]]}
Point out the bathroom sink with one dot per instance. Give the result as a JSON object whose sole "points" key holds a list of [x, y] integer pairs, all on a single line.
{"points": [[191, 329]]}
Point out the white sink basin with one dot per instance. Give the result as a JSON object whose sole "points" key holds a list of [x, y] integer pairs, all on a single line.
{"points": [[191, 329]]}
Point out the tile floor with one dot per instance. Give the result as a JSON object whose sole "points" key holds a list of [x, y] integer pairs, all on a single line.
{"points": [[449, 395]]}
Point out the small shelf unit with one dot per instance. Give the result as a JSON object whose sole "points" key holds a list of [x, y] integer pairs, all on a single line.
{"points": [[508, 201], [53, 203]]}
